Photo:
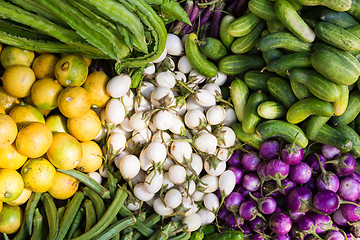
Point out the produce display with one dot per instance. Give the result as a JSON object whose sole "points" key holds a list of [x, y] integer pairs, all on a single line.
{"points": [[165, 119]]}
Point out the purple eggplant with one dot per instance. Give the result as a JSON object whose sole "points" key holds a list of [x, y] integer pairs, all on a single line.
{"points": [[251, 182], [349, 189], [277, 170], [344, 164], [179, 25], [216, 19], [313, 161], [266, 205], [280, 223], [193, 17], [350, 212], [334, 235], [292, 154], [248, 210], [269, 149], [232, 221], [327, 180], [329, 152], [300, 199], [300, 173], [239, 173], [232, 201], [250, 161], [235, 159], [338, 217], [258, 225]]}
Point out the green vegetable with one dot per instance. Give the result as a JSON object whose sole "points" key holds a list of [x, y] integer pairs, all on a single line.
{"points": [[226, 235]]}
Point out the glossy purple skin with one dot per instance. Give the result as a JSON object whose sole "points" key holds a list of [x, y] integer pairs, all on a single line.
{"points": [[323, 222], [239, 173], [299, 199], [288, 185], [345, 165], [235, 159], [311, 184], [280, 223], [261, 171], [349, 189], [246, 228], [282, 237], [269, 149], [248, 210], [277, 169], [242, 190], [295, 215], [267, 205], [326, 201], [313, 162], [258, 224], [338, 218], [328, 181], [233, 200], [356, 176], [270, 188], [250, 161], [329, 152], [231, 221], [251, 182], [350, 212], [306, 223], [257, 236], [334, 235], [300, 173], [292, 155], [222, 213]]}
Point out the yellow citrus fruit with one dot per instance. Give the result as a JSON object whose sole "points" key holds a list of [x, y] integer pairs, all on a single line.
{"points": [[11, 185], [10, 219], [18, 80], [65, 151], [29, 101], [44, 65], [11, 158], [38, 174], [24, 196], [1, 206], [95, 85], [24, 114], [11, 56], [85, 127], [92, 157], [45, 92], [7, 101], [34, 139], [64, 186], [2, 109], [71, 70], [57, 123], [8, 130], [73, 102]]}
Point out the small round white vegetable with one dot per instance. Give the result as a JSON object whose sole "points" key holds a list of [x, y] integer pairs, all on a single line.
{"points": [[115, 111], [174, 46], [129, 166], [206, 142], [162, 97], [195, 77], [191, 104], [165, 79], [177, 174], [163, 119], [184, 65], [161, 209], [211, 201], [101, 134], [212, 88], [143, 136], [226, 137], [219, 79], [103, 171], [119, 85], [118, 129], [178, 126], [128, 101], [146, 88], [207, 216], [120, 156], [167, 163], [139, 178], [192, 222], [139, 120], [189, 187], [161, 57], [116, 143], [153, 181], [220, 168], [230, 117], [196, 164], [141, 193], [194, 118], [96, 176], [223, 154], [166, 65], [173, 198], [167, 182], [198, 196], [145, 163], [215, 115], [227, 181], [190, 206], [156, 152], [181, 151], [180, 76], [142, 105], [162, 137], [205, 98], [133, 206], [149, 70], [209, 183], [125, 125]]}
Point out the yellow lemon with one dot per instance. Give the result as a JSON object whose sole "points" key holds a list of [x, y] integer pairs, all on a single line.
{"points": [[18, 80], [24, 196], [10, 219], [71, 70], [44, 65], [57, 123], [7, 101], [11, 157], [64, 186], [85, 127], [45, 92], [24, 114], [92, 157], [8, 130], [11, 185], [73, 102], [95, 85], [11, 56]]}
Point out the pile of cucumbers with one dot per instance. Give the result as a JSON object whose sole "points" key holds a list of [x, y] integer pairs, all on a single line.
{"points": [[296, 64]]}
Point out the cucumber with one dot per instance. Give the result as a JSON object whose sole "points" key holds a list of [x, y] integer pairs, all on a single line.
{"points": [[341, 19], [251, 117], [341, 103], [284, 130], [251, 139], [318, 85], [337, 36], [289, 16], [306, 107], [313, 125], [256, 79], [225, 37], [275, 26], [330, 136], [354, 30], [243, 25], [286, 62], [353, 136], [212, 48], [239, 93], [280, 89], [263, 9], [299, 89], [196, 59], [271, 110], [271, 54], [340, 5], [237, 64], [355, 9], [284, 40], [245, 43], [336, 65], [351, 112]]}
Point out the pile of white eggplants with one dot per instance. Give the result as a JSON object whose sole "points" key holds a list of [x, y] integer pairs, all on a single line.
{"points": [[171, 138]]}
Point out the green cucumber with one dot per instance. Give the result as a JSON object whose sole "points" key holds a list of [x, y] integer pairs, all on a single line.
{"points": [[225, 37], [341, 19], [288, 16], [251, 117], [306, 107], [245, 43], [256, 79], [340, 5], [280, 89], [353, 136], [263, 8], [285, 130], [299, 89], [354, 30], [243, 25], [318, 85], [351, 112], [240, 63], [355, 9], [212, 48], [196, 59], [313, 125], [284, 40], [293, 60], [271, 54], [341, 103], [239, 93], [271, 110], [275, 26], [251, 139]]}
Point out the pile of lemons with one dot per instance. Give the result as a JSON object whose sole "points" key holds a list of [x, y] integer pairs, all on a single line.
{"points": [[47, 121]]}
